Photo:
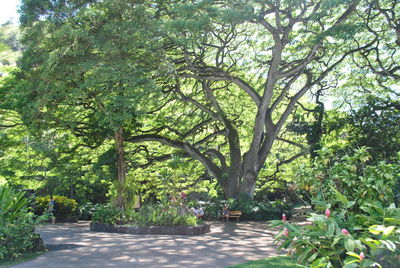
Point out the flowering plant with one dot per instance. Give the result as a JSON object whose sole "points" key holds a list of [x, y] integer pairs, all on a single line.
{"points": [[342, 238]]}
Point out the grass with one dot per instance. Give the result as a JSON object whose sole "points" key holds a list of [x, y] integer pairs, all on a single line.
{"points": [[21, 259], [273, 262]]}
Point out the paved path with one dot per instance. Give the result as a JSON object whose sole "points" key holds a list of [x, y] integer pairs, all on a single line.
{"points": [[73, 245]]}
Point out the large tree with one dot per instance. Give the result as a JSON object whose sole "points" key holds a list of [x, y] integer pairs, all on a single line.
{"points": [[228, 74], [237, 70], [84, 68]]}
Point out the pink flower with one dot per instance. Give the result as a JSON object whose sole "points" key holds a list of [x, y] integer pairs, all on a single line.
{"points": [[285, 232], [345, 232], [328, 212], [183, 195], [283, 217], [362, 256]]}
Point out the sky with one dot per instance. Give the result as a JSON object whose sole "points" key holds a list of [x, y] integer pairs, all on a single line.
{"points": [[8, 9]]}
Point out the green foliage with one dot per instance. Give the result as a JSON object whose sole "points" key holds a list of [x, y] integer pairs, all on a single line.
{"points": [[157, 215], [264, 210], [86, 210], [18, 237], [148, 215], [213, 209], [376, 124], [89, 69], [335, 181], [143, 66], [251, 209], [272, 262], [65, 208], [344, 236], [12, 204], [17, 234], [106, 214], [10, 46]]}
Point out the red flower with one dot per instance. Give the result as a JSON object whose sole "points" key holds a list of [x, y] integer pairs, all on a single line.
{"points": [[328, 212], [285, 232], [183, 195], [345, 232], [283, 217]]}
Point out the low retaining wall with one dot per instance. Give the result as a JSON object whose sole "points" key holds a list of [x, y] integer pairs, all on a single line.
{"points": [[160, 230]]}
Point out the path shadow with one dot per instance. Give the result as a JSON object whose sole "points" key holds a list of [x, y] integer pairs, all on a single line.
{"points": [[55, 247]]}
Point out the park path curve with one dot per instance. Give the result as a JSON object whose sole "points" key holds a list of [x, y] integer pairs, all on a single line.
{"points": [[73, 245]]}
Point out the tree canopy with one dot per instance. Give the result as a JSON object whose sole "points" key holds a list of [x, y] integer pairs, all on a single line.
{"points": [[217, 82]]}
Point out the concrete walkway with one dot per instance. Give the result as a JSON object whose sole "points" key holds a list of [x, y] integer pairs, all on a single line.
{"points": [[73, 245]]}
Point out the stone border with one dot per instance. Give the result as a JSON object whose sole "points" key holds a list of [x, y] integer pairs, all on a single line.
{"points": [[159, 230]]}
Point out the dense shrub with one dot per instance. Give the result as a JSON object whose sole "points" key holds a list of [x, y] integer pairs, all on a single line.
{"points": [[352, 176], [251, 209], [107, 214], [360, 228], [18, 237], [157, 215], [17, 234], [86, 210], [65, 209], [149, 215], [345, 239]]}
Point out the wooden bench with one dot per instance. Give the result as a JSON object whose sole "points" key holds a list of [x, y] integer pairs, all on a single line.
{"points": [[233, 214]]}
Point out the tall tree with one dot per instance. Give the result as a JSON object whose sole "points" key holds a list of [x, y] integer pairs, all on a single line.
{"points": [[238, 69], [228, 74], [84, 68]]}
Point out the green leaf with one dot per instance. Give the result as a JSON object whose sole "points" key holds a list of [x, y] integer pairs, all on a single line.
{"points": [[304, 255], [341, 197], [312, 257], [369, 263], [353, 254], [349, 244], [318, 263], [336, 240], [331, 229], [373, 244], [393, 220], [350, 204], [389, 245], [351, 263], [376, 229], [388, 231]]}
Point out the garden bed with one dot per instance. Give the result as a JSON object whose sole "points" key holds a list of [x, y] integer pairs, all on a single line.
{"points": [[159, 230]]}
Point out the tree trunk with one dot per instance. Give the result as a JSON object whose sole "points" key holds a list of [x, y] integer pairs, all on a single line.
{"points": [[121, 169], [235, 187]]}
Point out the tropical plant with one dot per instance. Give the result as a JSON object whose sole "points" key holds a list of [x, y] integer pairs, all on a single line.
{"points": [[12, 204], [18, 237], [337, 180], [17, 225], [345, 238]]}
